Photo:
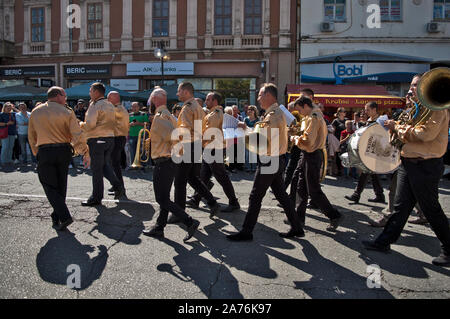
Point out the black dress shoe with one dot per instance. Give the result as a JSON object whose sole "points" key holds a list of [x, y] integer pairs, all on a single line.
{"points": [[154, 232], [120, 194], [311, 205], [111, 190], [241, 236], [191, 230], [91, 203], [293, 233], [214, 209], [63, 225], [352, 198], [231, 208], [378, 200], [335, 222], [373, 245], [55, 221], [192, 203], [173, 219], [443, 260]]}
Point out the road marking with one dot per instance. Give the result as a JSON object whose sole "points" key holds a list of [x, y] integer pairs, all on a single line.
{"points": [[28, 196]]}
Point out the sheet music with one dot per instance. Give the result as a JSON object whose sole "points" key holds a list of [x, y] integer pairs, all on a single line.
{"points": [[287, 115]]}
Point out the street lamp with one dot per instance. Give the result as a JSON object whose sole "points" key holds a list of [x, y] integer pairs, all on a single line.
{"points": [[161, 54]]}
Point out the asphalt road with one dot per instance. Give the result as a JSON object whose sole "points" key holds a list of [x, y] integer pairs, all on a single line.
{"points": [[116, 261]]}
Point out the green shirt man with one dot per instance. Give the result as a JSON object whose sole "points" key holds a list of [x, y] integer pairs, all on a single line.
{"points": [[137, 120]]}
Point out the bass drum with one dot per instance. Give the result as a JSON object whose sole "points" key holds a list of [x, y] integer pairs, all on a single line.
{"points": [[369, 149]]}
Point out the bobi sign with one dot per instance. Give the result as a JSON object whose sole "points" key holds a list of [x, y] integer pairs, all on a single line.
{"points": [[355, 70]]}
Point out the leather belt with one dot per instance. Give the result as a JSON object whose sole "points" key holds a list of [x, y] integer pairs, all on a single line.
{"points": [[56, 145], [161, 160]]}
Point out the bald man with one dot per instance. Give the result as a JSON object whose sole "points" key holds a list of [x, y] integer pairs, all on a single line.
{"points": [[120, 136]]}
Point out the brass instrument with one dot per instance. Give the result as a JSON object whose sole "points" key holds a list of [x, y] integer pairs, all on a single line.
{"points": [[254, 148], [433, 94], [145, 151]]}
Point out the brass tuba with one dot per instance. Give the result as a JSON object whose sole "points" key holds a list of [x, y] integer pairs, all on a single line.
{"points": [[433, 94], [142, 155]]}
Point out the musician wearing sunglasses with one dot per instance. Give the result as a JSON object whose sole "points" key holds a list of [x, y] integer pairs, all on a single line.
{"points": [[307, 174], [423, 145]]}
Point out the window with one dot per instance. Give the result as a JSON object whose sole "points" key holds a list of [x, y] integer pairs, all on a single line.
{"points": [[222, 15], [252, 13], [161, 18], [391, 10], [95, 21], [37, 25], [335, 10], [441, 10]]}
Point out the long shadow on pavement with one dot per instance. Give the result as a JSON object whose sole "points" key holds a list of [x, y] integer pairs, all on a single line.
{"points": [[65, 250], [124, 222]]}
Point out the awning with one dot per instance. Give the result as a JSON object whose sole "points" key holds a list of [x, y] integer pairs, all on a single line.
{"points": [[348, 96]]}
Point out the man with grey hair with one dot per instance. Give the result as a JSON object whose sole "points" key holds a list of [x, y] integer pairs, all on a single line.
{"points": [[164, 172], [120, 137]]}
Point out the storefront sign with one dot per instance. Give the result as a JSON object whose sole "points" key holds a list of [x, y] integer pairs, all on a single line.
{"points": [[170, 68], [125, 84], [361, 72], [27, 71], [87, 70]]}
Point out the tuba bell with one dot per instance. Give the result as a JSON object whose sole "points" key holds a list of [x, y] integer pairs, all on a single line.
{"points": [[142, 152], [433, 94]]}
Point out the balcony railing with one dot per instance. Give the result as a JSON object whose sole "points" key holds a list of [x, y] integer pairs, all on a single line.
{"points": [[37, 48], [94, 45], [219, 41], [252, 41]]}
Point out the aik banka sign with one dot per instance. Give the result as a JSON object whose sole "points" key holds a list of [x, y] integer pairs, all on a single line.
{"points": [[340, 73]]}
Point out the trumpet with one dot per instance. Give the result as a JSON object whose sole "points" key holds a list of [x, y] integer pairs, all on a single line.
{"points": [[432, 95], [296, 129], [142, 155]]}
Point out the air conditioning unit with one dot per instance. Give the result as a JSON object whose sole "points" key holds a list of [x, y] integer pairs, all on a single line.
{"points": [[327, 27], [434, 27]]}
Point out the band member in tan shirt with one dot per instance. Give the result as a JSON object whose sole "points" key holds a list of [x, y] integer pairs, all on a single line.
{"points": [[164, 172], [53, 134], [418, 181], [306, 179], [214, 120], [99, 128], [189, 170], [120, 136], [274, 120]]}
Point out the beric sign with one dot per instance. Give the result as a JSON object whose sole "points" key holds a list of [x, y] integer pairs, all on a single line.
{"points": [[86, 70], [25, 71]]}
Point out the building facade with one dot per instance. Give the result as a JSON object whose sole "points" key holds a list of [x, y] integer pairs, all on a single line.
{"points": [[231, 46], [346, 41]]}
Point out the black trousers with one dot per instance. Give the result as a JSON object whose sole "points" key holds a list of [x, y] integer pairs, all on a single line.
{"points": [[418, 181], [307, 179], [190, 172], [163, 176], [291, 166], [363, 178], [52, 168], [219, 172], [100, 150], [116, 157], [260, 185]]}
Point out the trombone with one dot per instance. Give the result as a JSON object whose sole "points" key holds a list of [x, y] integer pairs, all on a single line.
{"points": [[142, 155]]}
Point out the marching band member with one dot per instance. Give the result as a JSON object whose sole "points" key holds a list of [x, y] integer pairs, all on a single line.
{"points": [[274, 119], [214, 119], [99, 127], [189, 171], [371, 110], [418, 181], [164, 172], [120, 137], [307, 175], [53, 126]]}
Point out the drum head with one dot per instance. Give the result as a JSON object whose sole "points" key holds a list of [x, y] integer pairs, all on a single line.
{"points": [[375, 151]]}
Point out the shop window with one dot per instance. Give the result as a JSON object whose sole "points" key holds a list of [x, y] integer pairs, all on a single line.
{"points": [[334, 10], [391, 10], [222, 17], [441, 10], [37, 25], [253, 16], [161, 18], [95, 21]]}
